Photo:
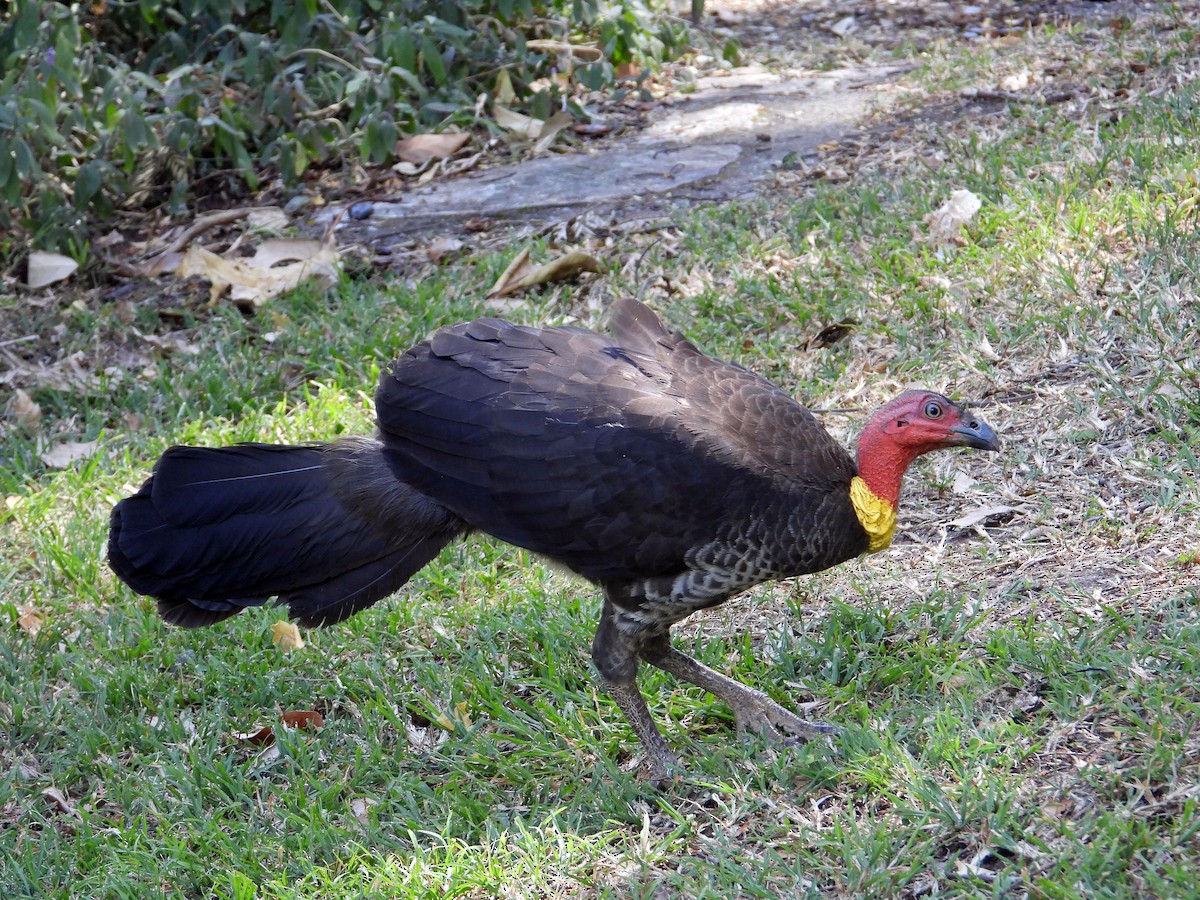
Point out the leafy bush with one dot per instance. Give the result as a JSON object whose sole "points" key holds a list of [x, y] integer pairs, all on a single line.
{"points": [[104, 107]]}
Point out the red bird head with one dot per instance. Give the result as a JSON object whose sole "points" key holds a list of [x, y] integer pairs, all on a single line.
{"points": [[916, 422]]}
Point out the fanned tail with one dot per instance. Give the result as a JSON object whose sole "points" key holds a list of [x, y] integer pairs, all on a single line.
{"points": [[324, 528]]}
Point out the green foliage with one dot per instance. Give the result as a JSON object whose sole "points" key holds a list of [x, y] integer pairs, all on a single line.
{"points": [[124, 105]]}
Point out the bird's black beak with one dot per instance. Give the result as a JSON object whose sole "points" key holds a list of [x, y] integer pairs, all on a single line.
{"points": [[972, 432]]}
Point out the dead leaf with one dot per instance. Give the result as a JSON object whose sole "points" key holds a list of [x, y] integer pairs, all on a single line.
{"points": [[579, 52], [844, 26], [504, 89], [47, 268], [171, 343], [962, 483], [259, 737], [361, 807], [287, 636], [550, 130], [424, 739], [59, 800], [308, 719], [24, 411], [442, 248], [62, 455], [259, 279], [977, 516], [947, 221], [510, 279], [421, 148], [270, 254], [521, 275], [267, 219], [517, 123], [29, 620]]}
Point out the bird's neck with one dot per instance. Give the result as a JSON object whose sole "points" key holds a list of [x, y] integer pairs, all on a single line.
{"points": [[875, 492]]}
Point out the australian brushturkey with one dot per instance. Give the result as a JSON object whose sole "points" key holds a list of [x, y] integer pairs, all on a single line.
{"points": [[670, 479]]}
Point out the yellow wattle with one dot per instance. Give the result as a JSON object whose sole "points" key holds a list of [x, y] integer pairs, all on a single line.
{"points": [[877, 515]]}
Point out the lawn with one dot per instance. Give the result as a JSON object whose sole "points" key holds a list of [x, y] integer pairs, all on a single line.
{"points": [[1018, 676]]}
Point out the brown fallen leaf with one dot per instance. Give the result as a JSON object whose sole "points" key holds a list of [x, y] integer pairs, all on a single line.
{"points": [[308, 719], [287, 636], [442, 248], [521, 273], [23, 410], [171, 343], [29, 620], [257, 280], [421, 148], [513, 274], [259, 737], [550, 130], [62, 455]]}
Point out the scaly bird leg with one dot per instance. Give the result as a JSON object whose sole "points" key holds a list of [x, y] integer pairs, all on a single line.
{"points": [[753, 710], [615, 653]]}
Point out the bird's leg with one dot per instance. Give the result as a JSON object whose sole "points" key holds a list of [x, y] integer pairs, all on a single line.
{"points": [[615, 652], [752, 710]]}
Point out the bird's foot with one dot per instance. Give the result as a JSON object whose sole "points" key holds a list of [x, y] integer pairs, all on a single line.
{"points": [[659, 768], [760, 714]]}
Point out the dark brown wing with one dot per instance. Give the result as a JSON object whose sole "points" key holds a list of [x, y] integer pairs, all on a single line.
{"points": [[618, 456]]}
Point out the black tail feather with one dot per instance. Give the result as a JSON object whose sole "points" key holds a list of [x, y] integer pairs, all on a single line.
{"points": [[325, 529]]}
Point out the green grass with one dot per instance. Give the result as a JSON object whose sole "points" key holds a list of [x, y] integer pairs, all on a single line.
{"points": [[1019, 709]]}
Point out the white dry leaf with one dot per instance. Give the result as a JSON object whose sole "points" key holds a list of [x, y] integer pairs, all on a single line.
{"points": [[980, 515], [424, 740], [408, 168], [962, 483], [62, 455], [987, 351], [947, 221], [1017, 81], [282, 250], [267, 219], [844, 26], [47, 268], [22, 409], [59, 800], [517, 123], [361, 807]]}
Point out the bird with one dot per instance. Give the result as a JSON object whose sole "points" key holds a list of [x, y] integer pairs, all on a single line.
{"points": [[668, 478]]}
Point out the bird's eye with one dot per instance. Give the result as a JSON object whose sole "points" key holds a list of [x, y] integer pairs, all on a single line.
{"points": [[933, 410]]}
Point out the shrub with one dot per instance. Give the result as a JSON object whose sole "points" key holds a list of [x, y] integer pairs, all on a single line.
{"points": [[124, 106]]}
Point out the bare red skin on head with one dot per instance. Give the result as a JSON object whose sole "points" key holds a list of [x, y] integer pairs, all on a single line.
{"points": [[900, 432]]}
